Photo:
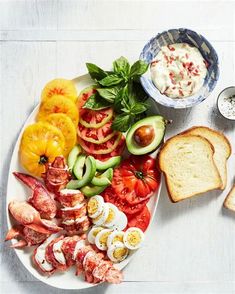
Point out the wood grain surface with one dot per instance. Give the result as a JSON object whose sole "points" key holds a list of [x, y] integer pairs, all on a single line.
{"points": [[191, 245]]}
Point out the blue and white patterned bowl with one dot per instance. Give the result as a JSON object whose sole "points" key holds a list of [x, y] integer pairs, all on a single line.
{"points": [[169, 37]]}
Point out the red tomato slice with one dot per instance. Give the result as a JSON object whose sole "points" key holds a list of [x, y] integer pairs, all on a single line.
{"points": [[140, 220], [111, 197], [116, 152], [92, 118], [136, 179], [96, 136], [103, 148]]}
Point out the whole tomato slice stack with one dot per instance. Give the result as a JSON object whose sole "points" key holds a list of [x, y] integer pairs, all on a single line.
{"points": [[133, 183], [136, 178], [95, 133]]}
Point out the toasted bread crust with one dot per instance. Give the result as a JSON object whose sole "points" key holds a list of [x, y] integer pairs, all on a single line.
{"points": [[161, 164], [229, 198], [227, 145], [218, 133]]}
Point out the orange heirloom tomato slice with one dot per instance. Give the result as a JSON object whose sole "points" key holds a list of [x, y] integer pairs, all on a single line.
{"points": [[40, 143]]}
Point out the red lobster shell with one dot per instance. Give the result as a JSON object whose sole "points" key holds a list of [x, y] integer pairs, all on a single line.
{"points": [[57, 175]]}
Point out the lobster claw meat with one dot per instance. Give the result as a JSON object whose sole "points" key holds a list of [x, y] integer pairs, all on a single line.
{"points": [[57, 175], [28, 237], [26, 215], [41, 198]]}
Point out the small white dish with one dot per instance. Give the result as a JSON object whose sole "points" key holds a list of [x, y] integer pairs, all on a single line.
{"points": [[226, 103]]}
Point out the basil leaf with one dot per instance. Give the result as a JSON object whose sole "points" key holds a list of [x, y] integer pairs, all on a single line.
{"points": [[118, 100], [111, 80], [108, 94], [122, 66], [95, 72], [138, 68], [139, 108], [122, 122], [138, 91], [95, 102]]}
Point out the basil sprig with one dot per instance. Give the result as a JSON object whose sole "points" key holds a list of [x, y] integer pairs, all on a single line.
{"points": [[120, 88]]}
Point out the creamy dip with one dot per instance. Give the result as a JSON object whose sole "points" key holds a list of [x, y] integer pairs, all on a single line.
{"points": [[178, 70]]}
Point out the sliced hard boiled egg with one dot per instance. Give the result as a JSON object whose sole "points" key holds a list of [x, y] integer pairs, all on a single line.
{"points": [[92, 234], [95, 206], [114, 237], [133, 238], [102, 238], [101, 218], [112, 216], [121, 221], [117, 252]]}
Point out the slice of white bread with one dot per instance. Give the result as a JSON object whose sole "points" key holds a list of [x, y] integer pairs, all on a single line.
{"points": [[188, 166], [229, 201], [221, 145]]}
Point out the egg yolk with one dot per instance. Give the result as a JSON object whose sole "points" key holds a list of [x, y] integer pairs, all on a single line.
{"points": [[104, 238], [92, 206], [110, 216], [118, 238], [119, 253], [95, 232], [134, 238]]}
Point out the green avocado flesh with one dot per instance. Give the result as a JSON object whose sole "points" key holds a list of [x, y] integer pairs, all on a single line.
{"points": [[103, 179], [73, 156], [90, 171], [111, 162], [78, 166], [90, 191], [157, 122]]}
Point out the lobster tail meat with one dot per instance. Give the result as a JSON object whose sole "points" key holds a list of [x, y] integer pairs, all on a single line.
{"points": [[39, 259], [54, 254], [63, 252], [68, 248], [41, 199], [57, 175], [76, 226], [70, 198]]}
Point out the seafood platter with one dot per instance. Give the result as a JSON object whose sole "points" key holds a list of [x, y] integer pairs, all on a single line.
{"points": [[85, 174]]}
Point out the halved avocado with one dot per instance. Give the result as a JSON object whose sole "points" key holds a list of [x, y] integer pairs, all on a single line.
{"points": [[103, 179], [79, 166], [145, 135], [111, 162], [91, 190], [73, 154], [90, 171]]}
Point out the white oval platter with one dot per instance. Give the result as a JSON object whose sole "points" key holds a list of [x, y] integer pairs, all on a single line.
{"points": [[16, 190]]}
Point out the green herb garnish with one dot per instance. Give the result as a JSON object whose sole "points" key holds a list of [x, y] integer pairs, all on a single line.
{"points": [[120, 88]]}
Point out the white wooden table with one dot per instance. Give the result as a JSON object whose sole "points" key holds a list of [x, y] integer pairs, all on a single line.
{"points": [[191, 245]]}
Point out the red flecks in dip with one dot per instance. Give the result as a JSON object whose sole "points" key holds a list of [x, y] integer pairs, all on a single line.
{"points": [[179, 70]]}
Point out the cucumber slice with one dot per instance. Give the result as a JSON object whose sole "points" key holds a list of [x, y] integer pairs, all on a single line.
{"points": [[103, 179], [111, 162], [79, 166], [76, 150], [90, 190], [90, 166]]}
